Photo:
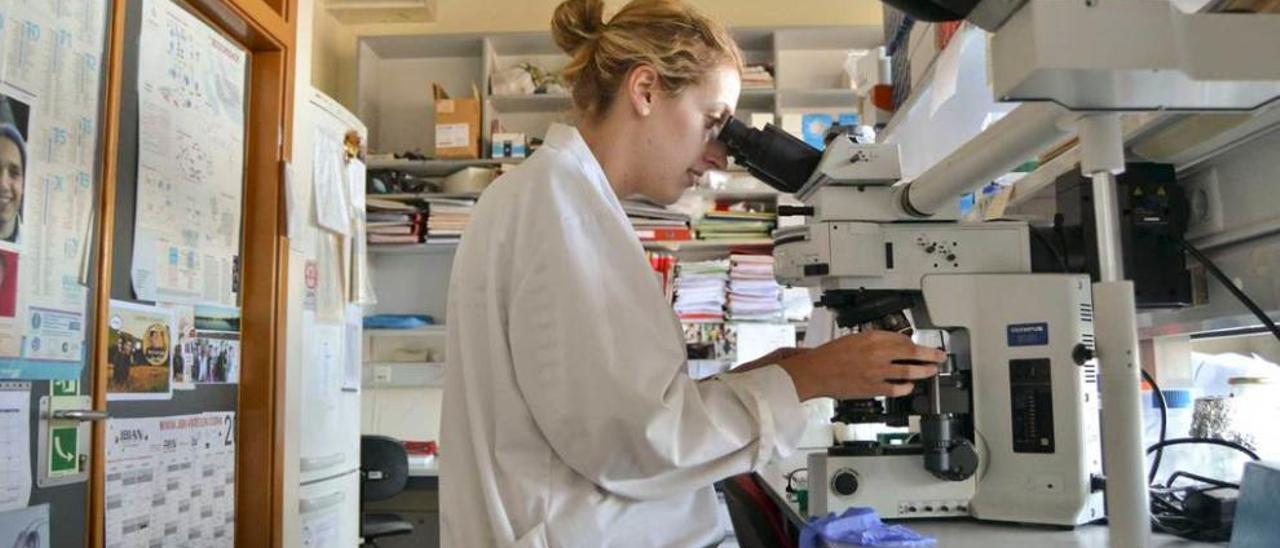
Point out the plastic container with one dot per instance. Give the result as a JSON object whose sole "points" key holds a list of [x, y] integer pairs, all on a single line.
{"points": [[1181, 407], [1258, 402]]}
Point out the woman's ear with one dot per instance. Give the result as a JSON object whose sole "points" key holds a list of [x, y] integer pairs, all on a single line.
{"points": [[641, 87]]}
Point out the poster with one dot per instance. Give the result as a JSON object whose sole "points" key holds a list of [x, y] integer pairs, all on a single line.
{"points": [[184, 345], [171, 481], [25, 527], [15, 452], [139, 352], [190, 160], [52, 61], [217, 345]]}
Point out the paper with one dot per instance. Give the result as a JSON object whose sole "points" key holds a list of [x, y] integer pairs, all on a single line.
{"points": [[171, 481], [217, 345], [15, 445], [52, 59], [946, 73], [190, 159], [333, 211], [139, 352], [26, 527], [362, 291], [330, 279], [755, 340], [296, 216], [184, 346], [320, 529], [352, 344]]}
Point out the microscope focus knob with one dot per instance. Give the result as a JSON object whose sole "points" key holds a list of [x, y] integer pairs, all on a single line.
{"points": [[1081, 354], [844, 482]]}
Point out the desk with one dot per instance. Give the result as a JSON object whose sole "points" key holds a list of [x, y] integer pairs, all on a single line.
{"points": [[424, 473], [967, 533]]}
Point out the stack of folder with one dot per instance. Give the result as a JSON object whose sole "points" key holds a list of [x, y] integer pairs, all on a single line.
{"points": [[652, 222], [447, 218], [392, 222], [754, 295], [699, 290], [735, 225]]}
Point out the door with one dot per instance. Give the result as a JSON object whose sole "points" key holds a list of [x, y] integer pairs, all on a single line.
{"points": [[53, 82]]}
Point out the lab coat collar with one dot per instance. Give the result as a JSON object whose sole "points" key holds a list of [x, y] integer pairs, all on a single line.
{"points": [[567, 138]]}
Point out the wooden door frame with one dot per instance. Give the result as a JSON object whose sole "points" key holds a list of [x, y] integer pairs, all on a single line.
{"points": [[268, 30]]}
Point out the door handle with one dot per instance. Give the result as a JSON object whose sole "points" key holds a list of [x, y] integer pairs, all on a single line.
{"points": [[81, 415]]}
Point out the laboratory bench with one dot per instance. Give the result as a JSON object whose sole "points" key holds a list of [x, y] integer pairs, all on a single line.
{"points": [[962, 532]]}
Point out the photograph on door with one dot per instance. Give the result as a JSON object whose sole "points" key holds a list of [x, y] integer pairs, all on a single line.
{"points": [[139, 352]]}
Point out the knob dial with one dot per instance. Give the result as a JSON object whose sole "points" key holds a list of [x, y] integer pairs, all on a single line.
{"points": [[844, 483]]}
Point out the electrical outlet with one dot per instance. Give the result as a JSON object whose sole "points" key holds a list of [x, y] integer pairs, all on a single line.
{"points": [[1205, 200]]}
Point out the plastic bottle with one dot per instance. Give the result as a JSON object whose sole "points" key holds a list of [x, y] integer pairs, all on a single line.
{"points": [[1180, 403]]}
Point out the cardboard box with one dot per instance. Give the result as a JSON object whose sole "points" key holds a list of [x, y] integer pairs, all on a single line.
{"points": [[457, 125]]}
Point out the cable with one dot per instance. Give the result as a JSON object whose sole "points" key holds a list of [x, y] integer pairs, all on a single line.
{"points": [[1215, 482], [1164, 421], [1208, 441], [1235, 291]]}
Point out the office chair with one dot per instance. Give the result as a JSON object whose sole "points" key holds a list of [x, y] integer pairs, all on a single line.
{"points": [[384, 471], [757, 520]]}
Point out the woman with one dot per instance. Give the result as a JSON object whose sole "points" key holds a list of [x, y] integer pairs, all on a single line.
{"points": [[13, 168], [569, 419]]}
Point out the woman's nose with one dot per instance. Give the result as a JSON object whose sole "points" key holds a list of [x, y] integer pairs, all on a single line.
{"points": [[717, 155]]}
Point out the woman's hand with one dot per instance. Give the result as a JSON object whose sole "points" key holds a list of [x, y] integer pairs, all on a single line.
{"points": [[862, 365]]}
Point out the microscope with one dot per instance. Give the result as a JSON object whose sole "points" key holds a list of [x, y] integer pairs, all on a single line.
{"points": [[1009, 429]]}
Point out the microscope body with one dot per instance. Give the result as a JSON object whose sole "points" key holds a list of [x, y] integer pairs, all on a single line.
{"points": [[1009, 430]]}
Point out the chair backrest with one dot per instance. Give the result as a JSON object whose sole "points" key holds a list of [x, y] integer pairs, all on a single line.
{"points": [[757, 520], [384, 467]]}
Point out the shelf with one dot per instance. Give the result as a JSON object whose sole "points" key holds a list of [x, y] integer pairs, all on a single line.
{"points": [[401, 374], [844, 99], [437, 168], [412, 249], [707, 245], [425, 196], [757, 99], [538, 102]]}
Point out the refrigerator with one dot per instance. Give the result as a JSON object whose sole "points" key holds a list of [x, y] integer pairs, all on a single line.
{"points": [[322, 425]]}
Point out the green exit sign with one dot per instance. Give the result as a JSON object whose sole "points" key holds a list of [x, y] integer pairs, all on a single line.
{"points": [[64, 454]]}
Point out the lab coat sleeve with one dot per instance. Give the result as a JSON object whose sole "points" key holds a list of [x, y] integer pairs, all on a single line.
{"points": [[603, 376]]}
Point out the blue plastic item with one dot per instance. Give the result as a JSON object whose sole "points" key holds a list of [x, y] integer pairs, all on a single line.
{"points": [[397, 321], [860, 527]]}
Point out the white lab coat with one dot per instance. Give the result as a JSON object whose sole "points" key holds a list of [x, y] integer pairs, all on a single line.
{"points": [[569, 419]]}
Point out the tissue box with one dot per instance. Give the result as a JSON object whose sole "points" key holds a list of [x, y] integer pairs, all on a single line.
{"points": [[509, 145]]}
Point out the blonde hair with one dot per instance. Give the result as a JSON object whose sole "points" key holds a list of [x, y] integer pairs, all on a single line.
{"points": [[680, 43]]}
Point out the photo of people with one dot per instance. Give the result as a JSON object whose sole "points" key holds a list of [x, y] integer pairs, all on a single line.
{"points": [[139, 355], [216, 355], [184, 345], [8, 283], [14, 118]]}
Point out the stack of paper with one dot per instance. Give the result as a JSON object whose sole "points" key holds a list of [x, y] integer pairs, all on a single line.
{"points": [[754, 295], [700, 290], [447, 218], [392, 222], [738, 225]]}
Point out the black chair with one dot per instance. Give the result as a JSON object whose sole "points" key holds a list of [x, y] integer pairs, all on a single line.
{"points": [[384, 471], [757, 520]]}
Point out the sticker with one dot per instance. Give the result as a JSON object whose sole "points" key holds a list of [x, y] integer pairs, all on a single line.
{"points": [[1028, 334]]}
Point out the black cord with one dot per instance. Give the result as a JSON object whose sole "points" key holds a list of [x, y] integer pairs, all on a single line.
{"points": [[1164, 421], [1207, 441], [1202, 479], [1235, 291]]}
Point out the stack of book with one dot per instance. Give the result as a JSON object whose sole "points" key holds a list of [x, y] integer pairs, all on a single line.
{"points": [[447, 218], [652, 222], [699, 290], [735, 225], [757, 77], [754, 295], [391, 222]]}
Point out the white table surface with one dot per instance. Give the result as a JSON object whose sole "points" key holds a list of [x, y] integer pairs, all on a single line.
{"points": [[969, 533]]}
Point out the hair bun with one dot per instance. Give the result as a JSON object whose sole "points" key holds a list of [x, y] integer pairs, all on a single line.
{"points": [[577, 22]]}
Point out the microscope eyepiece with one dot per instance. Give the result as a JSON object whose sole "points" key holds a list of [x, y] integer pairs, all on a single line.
{"points": [[772, 155]]}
